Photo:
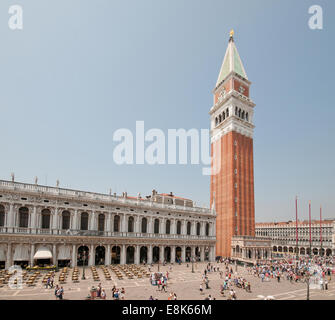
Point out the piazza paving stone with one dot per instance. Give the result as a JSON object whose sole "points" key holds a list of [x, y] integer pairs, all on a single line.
{"points": [[181, 281]]}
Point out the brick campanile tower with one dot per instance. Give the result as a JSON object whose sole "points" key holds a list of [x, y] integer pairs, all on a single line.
{"points": [[232, 179]]}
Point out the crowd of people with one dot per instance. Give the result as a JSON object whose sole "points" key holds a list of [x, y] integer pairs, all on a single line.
{"points": [[295, 270], [230, 279]]}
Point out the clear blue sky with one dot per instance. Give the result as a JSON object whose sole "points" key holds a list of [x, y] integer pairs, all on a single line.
{"points": [[81, 69]]}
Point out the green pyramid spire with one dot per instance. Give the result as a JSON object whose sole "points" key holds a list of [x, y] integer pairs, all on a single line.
{"points": [[231, 62]]}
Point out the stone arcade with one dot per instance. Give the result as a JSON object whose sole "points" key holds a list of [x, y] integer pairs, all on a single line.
{"points": [[51, 225]]}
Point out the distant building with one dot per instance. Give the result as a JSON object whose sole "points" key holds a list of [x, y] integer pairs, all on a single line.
{"points": [[283, 236]]}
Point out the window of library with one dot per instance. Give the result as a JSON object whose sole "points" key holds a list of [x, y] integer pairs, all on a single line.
{"points": [[167, 227], [2, 215], [156, 226], [144, 225], [188, 228], [23, 217], [116, 224], [65, 220], [131, 224], [178, 227], [101, 222], [84, 221], [45, 219]]}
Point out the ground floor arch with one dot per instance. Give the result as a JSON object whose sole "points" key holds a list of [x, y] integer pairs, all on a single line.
{"points": [[188, 254], [328, 252], [155, 254], [130, 256], [116, 255], [167, 254], [178, 254], [207, 254], [82, 258], [143, 254], [197, 253], [100, 254]]}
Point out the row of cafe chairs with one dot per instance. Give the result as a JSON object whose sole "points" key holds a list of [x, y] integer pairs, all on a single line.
{"points": [[117, 272], [95, 274], [132, 271], [4, 277], [75, 274], [138, 271], [63, 275], [33, 279], [106, 273]]}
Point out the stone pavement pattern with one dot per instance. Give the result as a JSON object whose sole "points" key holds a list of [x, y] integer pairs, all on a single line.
{"points": [[181, 281]]}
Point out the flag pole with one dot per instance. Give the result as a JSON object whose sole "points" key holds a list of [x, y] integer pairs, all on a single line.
{"points": [[310, 229], [320, 230], [296, 227]]}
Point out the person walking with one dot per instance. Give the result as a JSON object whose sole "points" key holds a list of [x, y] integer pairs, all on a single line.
{"points": [[201, 288], [56, 291], [206, 283], [47, 283]]}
